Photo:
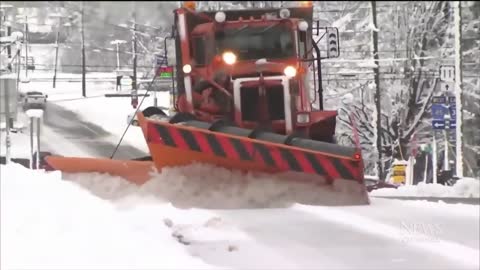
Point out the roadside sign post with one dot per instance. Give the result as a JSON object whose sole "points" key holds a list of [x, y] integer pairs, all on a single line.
{"points": [[444, 117], [31, 142], [8, 109], [35, 114], [434, 158], [449, 74]]}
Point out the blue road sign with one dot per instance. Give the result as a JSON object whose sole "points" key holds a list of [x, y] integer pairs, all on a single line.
{"points": [[453, 111], [443, 112], [438, 124], [442, 124], [439, 111]]}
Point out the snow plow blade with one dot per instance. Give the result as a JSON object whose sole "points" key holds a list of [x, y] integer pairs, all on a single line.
{"points": [[178, 141], [137, 172]]}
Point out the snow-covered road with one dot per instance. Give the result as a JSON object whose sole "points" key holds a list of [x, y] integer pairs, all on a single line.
{"points": [[129, 222], [388, 234], [384, 235], [66, 126]]}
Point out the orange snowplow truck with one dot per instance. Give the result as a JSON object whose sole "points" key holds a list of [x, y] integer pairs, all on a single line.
{"points": [[246, 99]]}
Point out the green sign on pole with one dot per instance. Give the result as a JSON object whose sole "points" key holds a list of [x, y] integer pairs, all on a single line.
{"points": [[165, 72]]}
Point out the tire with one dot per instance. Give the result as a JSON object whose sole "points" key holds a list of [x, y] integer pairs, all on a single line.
{"points": [[153, 111], [182, 117]]}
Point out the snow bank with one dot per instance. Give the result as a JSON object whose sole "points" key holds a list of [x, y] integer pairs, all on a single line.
{"points": [[196, 186], [463, 188], [20, 144], [33, 113], [47, 223]]}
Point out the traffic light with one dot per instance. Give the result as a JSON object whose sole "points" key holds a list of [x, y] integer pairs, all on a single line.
{"points": [[333, 44]]}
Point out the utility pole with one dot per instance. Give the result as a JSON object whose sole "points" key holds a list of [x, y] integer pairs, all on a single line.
{"points": [[19, 52], [9, 47], [56, 53], [25, 36], [134, 99], [457, 7], [118, 56], [377, 98], [134, 51], [84, 87]]}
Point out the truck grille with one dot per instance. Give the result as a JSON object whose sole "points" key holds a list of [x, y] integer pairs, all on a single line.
{"points": [[251, 105]]}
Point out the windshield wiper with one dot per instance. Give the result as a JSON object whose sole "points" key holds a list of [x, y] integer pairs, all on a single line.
{"points": [[245, 26], [269, 28]]}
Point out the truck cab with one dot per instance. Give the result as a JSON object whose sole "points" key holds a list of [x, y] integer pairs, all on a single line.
{"points": [[265, 55]]}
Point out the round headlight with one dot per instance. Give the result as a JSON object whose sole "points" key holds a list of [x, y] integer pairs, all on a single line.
{"points": [[220, 17], [187, 69], [303, 26], [229, 58], [290, 71]]}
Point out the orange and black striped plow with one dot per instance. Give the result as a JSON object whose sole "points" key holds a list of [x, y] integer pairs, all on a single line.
{"points": [[237, 148], [178, 144]]}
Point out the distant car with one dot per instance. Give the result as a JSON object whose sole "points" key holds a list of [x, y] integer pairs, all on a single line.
{"points": [[34, 100]]}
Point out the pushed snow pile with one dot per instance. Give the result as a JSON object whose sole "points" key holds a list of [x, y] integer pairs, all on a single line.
{"points": [[463, 188], [207, 186], [48, 223]]}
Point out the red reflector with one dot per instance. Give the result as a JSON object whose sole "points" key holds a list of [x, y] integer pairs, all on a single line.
{"points": [[357, 156]]}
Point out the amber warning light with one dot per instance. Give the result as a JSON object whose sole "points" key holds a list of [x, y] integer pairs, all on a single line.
{"points": [[190, 4], [306, 3]]}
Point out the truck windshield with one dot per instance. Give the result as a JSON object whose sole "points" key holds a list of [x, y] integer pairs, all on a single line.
{"points": [[254, 42]]}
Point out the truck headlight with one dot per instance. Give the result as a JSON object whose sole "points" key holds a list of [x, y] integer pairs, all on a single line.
{"points": [[187, 69], [303, 26], [303, 118], [220, 17], [290, 71], [229, 58]]}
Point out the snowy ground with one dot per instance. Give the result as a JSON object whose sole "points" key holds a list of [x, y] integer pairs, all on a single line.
{"points": [[52, 224], [120, 226]]}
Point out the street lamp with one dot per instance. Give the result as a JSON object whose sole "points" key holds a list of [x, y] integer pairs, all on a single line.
{"points": [[117, 43]]}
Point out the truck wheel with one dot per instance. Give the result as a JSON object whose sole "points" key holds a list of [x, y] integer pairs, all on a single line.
{"points": [[182, 117], [153, 111]]}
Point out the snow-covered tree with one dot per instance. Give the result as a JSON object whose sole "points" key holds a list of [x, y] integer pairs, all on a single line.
{"points": [[414, 39], [471, 86]]}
